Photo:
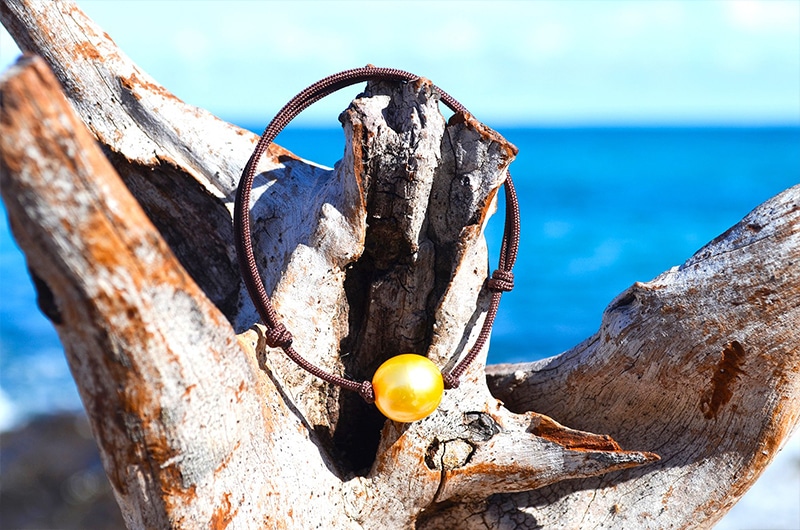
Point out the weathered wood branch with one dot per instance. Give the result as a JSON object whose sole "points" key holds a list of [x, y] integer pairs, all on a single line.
{"points": [[382, 255], [142, 376], [701, 365], [157, 143]]}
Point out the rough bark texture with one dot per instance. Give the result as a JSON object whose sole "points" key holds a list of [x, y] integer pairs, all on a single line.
{"points": [[700, 365], [178, 407], [382, 255]]}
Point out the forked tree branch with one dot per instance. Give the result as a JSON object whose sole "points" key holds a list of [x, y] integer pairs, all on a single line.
{"points": [[382, 255]]}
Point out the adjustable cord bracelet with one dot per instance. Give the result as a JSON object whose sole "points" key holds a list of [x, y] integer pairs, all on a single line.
{"points": [[407, 387]]}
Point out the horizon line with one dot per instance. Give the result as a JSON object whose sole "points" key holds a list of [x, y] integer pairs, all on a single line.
{"points": [[313, 125]]}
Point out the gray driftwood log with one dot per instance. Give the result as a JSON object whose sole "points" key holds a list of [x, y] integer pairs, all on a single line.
{"points": [[120, 196]]}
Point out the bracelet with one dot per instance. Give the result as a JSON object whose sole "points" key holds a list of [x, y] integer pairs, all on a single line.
{"points": [[407, 387]]}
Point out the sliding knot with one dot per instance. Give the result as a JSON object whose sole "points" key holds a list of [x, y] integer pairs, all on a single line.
{"points": [[366, 391], [279, 337], [450, 381], [501, 281]]}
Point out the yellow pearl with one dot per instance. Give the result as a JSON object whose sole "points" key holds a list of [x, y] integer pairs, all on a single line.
{"points": [[407, 387]]}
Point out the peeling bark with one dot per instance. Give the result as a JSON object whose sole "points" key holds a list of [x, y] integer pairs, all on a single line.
{"points": [[128, 237]]}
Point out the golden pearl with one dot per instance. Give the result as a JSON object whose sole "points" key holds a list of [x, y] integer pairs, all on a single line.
{"points": [[407, 387]]}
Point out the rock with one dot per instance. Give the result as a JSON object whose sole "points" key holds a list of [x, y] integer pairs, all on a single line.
{"points": [[52, 477]]}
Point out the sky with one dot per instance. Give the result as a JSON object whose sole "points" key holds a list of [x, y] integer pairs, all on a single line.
{"points": [[541, 62]]}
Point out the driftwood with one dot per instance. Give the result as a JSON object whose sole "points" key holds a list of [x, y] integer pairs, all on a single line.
{"points": [[120, 196]]}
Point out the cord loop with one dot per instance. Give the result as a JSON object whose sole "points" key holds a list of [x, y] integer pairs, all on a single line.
{"points": [[277, 336]]}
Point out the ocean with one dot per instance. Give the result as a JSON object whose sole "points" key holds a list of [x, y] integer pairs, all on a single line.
{"points": [[601, 209]]}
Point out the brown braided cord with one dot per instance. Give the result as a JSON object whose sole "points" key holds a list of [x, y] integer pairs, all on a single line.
{"points": [[277, 335], [501, 280]]}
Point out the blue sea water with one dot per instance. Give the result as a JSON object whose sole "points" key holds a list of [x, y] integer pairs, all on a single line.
{"points": [[601, 209]]}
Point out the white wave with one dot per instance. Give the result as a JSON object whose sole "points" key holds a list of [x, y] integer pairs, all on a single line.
{"points": [[9, 414]]}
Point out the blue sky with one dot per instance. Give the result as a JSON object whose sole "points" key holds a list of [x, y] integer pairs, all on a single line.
{"points": [[511, 63]]}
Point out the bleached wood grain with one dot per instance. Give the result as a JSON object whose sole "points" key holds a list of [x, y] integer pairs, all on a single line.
{"points": [[382, 255]]}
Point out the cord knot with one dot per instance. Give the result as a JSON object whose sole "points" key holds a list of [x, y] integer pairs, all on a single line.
{"points": [[501, 281], [279, 337], [450, 381], [366, 391]]}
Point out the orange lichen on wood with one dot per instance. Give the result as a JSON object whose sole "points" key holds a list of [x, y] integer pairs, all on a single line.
{"points": [[727, 372], [548, 429], [87, 50], [136, 84], [223, 515]]}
